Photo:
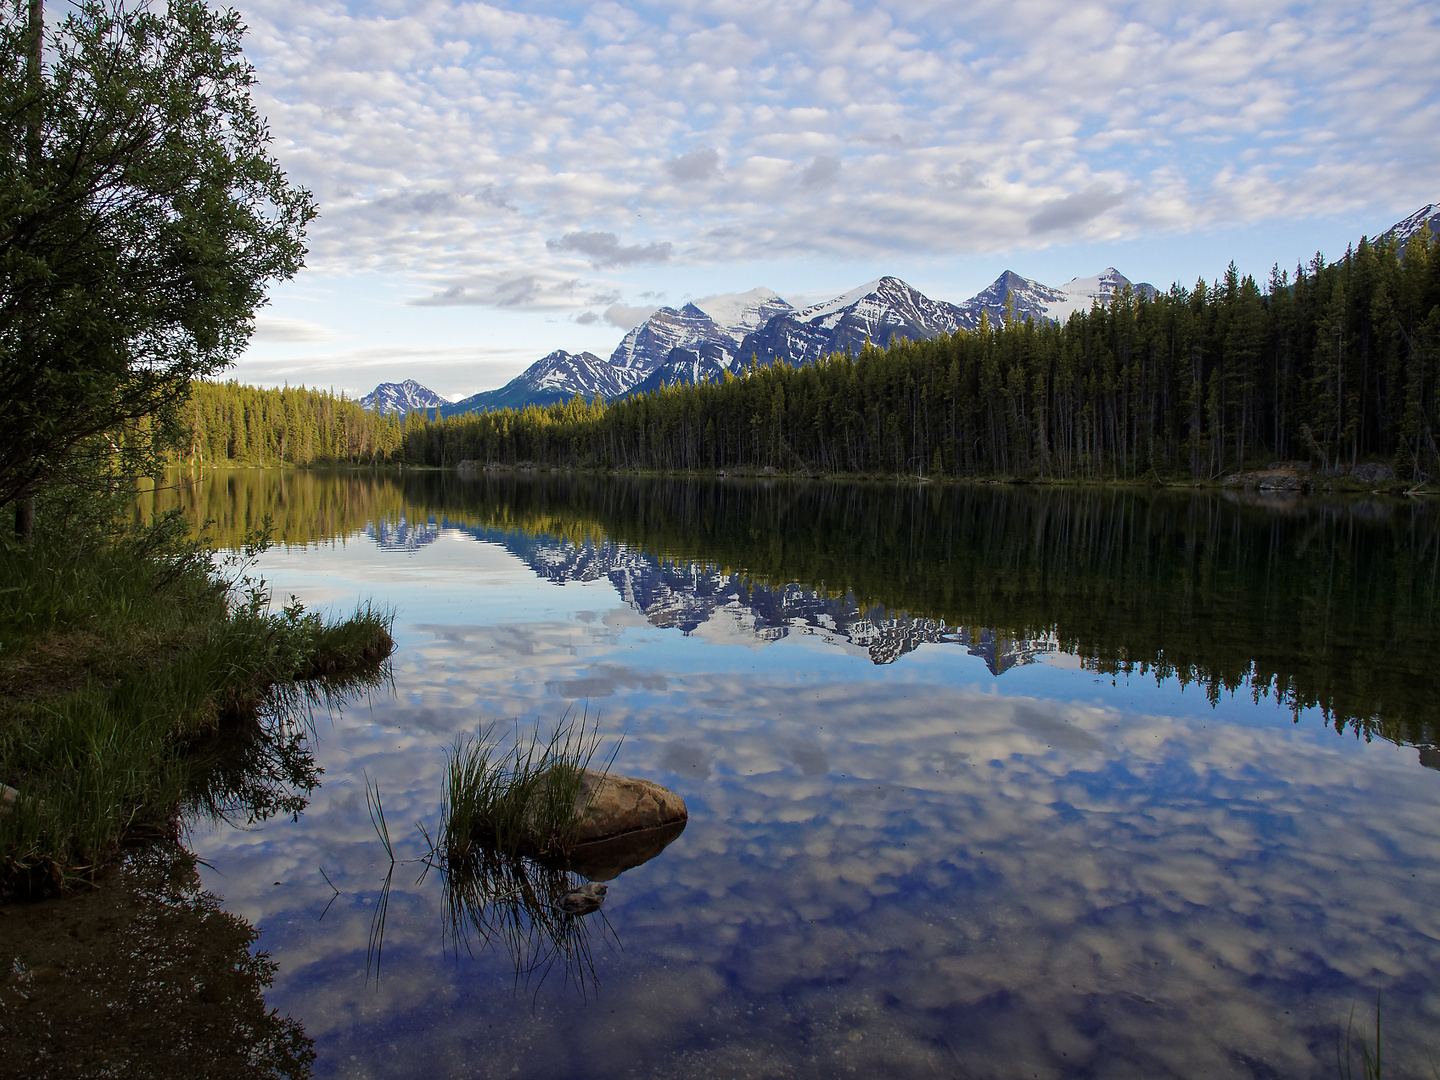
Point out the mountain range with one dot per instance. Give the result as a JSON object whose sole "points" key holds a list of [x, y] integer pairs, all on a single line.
{"points": [[706, 338]]}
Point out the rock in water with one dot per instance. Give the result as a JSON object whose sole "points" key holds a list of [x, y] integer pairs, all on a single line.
{"points": [[612, 806], [585, 899]]}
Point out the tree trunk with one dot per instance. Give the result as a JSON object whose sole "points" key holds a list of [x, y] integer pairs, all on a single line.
{"points": [[24, 517], [25, 504]]}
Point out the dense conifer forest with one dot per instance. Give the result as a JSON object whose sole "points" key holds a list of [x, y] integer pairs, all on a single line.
{"points": [[1335, 365], [227, 423]]}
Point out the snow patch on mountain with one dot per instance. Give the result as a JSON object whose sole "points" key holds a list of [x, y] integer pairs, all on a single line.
{"points": [[1406, 230], [722, 321], [736, 314], [1107, 286], [841, 302]]}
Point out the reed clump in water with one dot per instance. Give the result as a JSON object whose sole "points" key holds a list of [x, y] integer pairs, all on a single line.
{"points": [[520, 800], [512, 808]]}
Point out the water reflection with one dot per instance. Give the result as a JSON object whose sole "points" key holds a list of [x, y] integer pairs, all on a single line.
{"points": [[145, 976], [1311, 602], [520, 905], [912, 868]]}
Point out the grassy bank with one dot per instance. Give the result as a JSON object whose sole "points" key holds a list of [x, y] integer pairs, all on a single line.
{"points": [[126, 659]]}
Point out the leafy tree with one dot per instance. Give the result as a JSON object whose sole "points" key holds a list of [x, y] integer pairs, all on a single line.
{"points": [[141, 217]]}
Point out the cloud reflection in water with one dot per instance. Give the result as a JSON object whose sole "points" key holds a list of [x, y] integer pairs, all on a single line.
{"points": [[890, 868]]}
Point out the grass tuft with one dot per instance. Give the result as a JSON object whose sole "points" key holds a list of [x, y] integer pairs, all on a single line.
{"points": [[510, 815]]}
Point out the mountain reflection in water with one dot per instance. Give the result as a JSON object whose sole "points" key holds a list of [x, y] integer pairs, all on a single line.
{"points": [[1314, 602]]}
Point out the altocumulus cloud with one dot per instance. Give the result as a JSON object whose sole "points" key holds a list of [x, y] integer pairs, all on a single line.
{"points": [[1075, 210], [605, 249], [699, 164], [447, 136]]}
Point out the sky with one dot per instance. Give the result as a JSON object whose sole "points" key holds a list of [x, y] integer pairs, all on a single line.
{"points": [[497, 181]]}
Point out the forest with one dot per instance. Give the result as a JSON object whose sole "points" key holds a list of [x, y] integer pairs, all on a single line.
{"points": [[1336, 365], [229, 423]]}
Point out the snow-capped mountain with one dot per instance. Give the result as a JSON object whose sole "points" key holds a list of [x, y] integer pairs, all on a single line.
{"points": [[722, 321], [708, 337], [1429, 214], [401, 397], [1036, 301], [704, 339], [878, 312], [557, 377]]}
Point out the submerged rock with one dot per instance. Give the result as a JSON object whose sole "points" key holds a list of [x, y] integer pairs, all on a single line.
{"points": [[584, 900], [611, 806]]}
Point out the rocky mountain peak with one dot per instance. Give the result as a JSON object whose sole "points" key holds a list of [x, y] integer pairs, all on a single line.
{"points": [[401, 397]]}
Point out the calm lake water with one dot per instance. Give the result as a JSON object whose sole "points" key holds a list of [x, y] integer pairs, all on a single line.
{"points": [[983, 781]]}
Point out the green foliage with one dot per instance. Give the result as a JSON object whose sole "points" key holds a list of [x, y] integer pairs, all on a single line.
{"points": [[142, 219], [1370, 1064], [507, 821], [136, 676], [226, 423]]}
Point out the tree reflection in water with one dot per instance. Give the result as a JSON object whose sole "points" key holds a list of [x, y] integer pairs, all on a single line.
{"points": [[145, 976]]}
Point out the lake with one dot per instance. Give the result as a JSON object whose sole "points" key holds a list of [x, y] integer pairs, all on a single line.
{"points": [[983, 781]]}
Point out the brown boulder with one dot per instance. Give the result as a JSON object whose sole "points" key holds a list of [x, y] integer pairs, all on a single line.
{"points": [[611, 806]]}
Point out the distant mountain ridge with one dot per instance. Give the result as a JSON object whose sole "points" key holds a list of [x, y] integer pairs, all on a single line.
{"points": [[401, 397], [557, 377], [693, 345], [706, 338]]}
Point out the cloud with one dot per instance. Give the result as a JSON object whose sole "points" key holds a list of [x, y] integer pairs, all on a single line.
{"points": [[603, 680], [273, 328], [822, 171], [587, 318], [1075, 209], [522, 291], [605, 249], [695, 165], [538, 291], [625, 317], [870, 884], [455, 372], [443, 137]]}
